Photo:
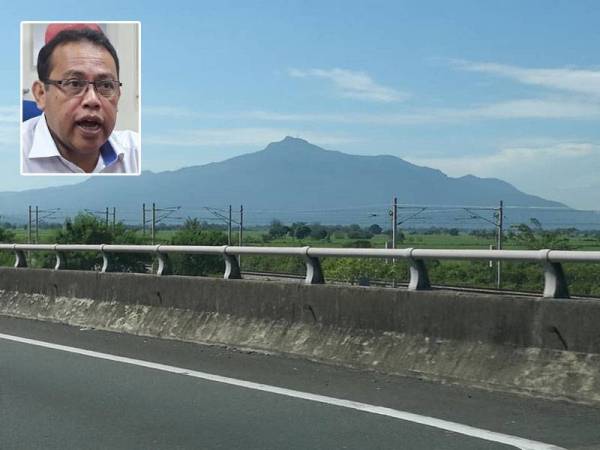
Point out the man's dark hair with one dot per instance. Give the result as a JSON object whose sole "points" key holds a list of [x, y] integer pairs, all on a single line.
{"points": [[44, 62]]}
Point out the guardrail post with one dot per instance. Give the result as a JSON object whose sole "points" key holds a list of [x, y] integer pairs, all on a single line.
{"points": [[20, 259], [232, 267], [60, 260], [555, 282], [419, 278], [314, 273], [162, 262], [104, 260]]}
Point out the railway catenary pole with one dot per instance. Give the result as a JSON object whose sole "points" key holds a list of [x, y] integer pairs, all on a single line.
{"points": [[499, 243]]}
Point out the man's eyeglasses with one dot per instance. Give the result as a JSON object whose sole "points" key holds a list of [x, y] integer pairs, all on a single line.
{"points": [[75, 86]]}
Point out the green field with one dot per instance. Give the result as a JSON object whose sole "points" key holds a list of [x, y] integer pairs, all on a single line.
{"points": [[253, 237]]}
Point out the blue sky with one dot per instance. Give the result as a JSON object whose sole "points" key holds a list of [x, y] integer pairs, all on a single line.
{"points": [[505, 89]]}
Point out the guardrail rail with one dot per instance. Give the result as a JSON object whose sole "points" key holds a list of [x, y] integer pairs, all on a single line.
{"points": [[555, 284]]}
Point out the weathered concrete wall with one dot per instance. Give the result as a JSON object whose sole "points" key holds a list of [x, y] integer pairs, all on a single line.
{"points": [[544, 347]]}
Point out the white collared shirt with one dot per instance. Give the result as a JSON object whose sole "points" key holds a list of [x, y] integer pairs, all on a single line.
{"points": [[120, 154]]}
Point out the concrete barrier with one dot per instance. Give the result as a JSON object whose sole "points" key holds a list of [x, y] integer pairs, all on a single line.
{"points": [[543, 347]]}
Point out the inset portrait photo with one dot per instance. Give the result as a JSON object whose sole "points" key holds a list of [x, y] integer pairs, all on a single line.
{"points": [[80, 91]]}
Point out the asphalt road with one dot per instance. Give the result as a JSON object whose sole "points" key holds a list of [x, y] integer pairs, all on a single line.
{"points": [[56, 399]]}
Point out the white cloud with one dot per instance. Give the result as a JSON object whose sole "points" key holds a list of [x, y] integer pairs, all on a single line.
{"points": [[222, 137], [9, 136], [539, 109], [558, 170], [557, 108], [177, 112], [352, 84], [581, 81], [510, 157], [9, 113], [9, 125], [584, 105]]}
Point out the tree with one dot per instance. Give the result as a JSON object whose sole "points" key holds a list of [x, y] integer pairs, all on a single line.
{"points": [[89, 230], [6, 235], [83, 229], [302, 231], [375, 229], [277, 229], [128, 262], [400, 236], [6, 258], [299, 230], [356, 232], [534, 237], [193, 233], [318, 231]]}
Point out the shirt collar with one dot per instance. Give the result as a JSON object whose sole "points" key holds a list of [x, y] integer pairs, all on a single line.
{"points": [[45, 147]]}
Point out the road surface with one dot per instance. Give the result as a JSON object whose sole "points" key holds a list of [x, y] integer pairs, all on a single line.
{"points": [[63, 387]]}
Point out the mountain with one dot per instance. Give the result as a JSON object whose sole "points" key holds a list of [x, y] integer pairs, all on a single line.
{"points": [[286, 177]]}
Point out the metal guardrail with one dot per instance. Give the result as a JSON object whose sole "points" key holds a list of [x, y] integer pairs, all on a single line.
{"points": [[555, 284]]}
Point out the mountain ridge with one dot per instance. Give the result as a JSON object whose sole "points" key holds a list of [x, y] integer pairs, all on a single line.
{"points": [[287, 175]]}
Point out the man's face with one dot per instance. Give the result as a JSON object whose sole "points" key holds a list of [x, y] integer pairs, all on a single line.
{"points": [[81, 123]]}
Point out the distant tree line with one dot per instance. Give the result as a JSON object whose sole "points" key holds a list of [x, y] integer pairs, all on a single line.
{"points": [[302, 230]]}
